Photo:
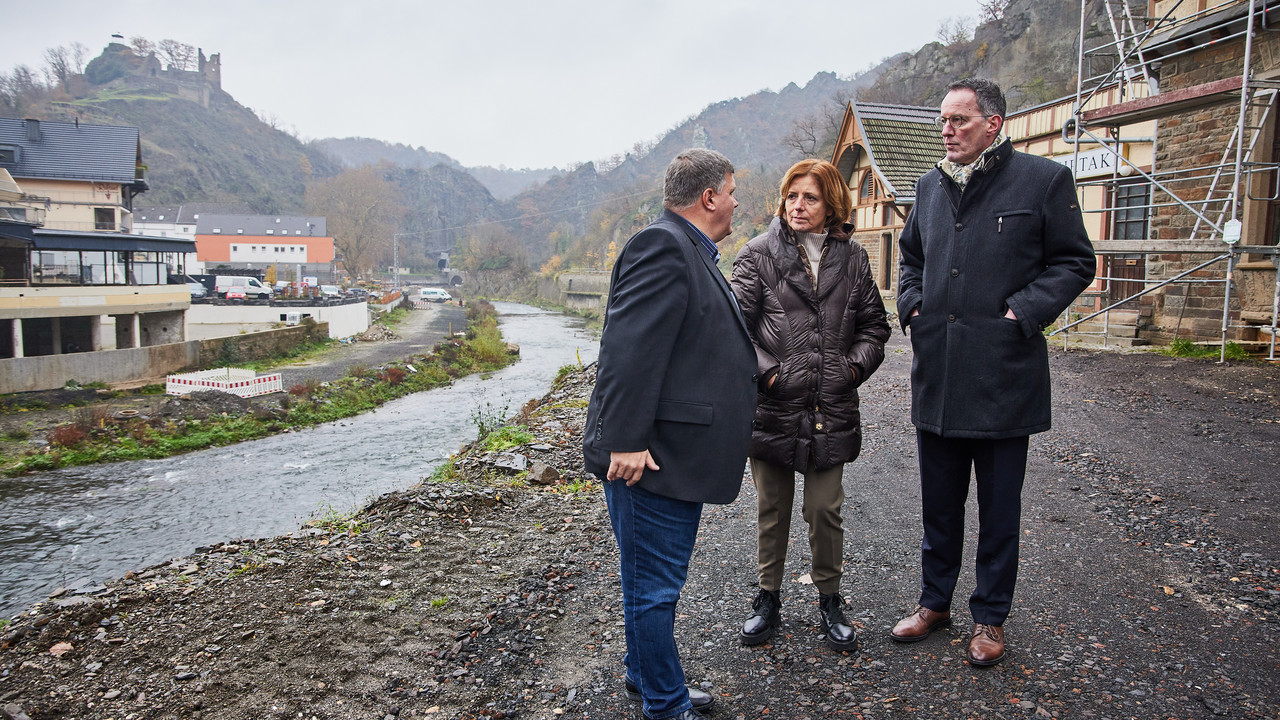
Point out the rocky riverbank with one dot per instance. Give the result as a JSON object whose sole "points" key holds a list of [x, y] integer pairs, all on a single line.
{"points": [[1150, 587]]}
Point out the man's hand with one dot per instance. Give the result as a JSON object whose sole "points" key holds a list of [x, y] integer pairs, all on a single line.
{"points": [[629, 466]]}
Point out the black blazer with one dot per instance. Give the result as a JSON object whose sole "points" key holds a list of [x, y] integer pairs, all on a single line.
{"points": [[676, 373]]}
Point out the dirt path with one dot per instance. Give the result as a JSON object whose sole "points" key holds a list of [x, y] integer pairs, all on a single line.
{"points": [[425, 326], [1149, 586]]}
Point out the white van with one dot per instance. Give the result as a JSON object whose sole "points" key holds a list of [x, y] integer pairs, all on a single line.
{"points": [[250, 286]]}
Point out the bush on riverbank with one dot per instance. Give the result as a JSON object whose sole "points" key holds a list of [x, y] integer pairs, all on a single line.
{"points": [[95, 438]]}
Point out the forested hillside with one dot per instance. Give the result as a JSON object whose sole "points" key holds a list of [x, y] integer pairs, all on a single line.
{"points": [[200, 145]]}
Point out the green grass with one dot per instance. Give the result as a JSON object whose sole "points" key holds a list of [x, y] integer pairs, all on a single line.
{"points": [[505, 438], [1184, 348], [136, 439]]}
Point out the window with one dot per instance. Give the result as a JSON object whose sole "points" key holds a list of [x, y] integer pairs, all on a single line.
{"points": [[868, 186], [217, 231], [270, 231], [1129, 211], [235, 248], [10, 154], [888, 215], [104, 219]]}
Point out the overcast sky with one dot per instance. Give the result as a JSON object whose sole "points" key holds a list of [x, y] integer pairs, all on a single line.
{"points": [[520, 83]]}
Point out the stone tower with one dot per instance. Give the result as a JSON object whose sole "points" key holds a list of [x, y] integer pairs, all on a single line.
{"points": [[211, 68]]}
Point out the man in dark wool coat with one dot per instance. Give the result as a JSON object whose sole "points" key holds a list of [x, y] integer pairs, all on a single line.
{"points": [[670, 416], [992, 252]]}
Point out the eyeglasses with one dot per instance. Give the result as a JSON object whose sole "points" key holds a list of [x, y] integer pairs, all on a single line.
{"points": [[956, 121]]}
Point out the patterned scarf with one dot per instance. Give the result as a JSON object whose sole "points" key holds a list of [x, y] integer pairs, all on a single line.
{"points": [[961, 173]]}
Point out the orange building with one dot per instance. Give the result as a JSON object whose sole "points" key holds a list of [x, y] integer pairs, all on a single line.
{"points": [[257, 241]]}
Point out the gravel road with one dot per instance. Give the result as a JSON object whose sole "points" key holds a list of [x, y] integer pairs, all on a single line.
{"points": [[1149, 586]]}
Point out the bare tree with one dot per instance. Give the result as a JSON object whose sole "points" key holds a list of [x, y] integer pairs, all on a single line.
{"points": [[180, 56], [142, 47], [993, 10], [804, 135], [362, 211], [79, 56], [23, 80], [57, 65], [955, 30], [833, 113]]}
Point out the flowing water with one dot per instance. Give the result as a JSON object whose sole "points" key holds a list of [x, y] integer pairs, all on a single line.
{"points": [[81, 526]]}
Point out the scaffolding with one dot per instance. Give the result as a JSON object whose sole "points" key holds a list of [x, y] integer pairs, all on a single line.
{"points": [[1210, 195]]}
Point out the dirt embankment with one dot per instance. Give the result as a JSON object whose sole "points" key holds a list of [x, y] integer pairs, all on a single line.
{"points": [[1149, 586]]}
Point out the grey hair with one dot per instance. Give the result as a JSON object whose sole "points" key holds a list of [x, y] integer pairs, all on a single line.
{"points": [[691, 172], [990, 97]]}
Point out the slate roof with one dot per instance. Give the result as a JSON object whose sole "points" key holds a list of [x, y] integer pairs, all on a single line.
{"points": [[903, 144], [260, 224], [71, 151], [186, 214]]}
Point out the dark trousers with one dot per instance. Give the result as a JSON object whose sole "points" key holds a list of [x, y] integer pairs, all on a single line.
{"points": [[999, 467]]}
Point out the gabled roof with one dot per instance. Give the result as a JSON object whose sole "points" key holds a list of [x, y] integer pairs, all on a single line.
{"points": [[50, 150], [292, 225], [903, 144]]}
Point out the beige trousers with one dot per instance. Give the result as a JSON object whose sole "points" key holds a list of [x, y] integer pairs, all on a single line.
{"points": [[823, 496]]}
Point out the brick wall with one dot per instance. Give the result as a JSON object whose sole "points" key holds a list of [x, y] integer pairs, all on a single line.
{"points": [[1190, 140]]}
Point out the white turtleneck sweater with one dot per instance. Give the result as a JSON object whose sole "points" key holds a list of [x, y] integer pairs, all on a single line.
{"points": [[812, 243]]}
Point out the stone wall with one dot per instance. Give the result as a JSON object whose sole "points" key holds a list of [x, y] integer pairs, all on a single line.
{"points": [[235, 349]]}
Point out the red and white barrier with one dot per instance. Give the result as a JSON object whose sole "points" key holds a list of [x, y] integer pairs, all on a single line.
{"points": [[244, 383]]}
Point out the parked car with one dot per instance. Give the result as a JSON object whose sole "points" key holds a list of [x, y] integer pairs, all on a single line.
{"points": [[330, 291], [434, 295], [358, 292], [197, 290], [235, 293]]}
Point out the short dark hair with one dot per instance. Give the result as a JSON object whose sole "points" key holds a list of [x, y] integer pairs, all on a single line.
{"points": [[691, 172], [990, 97]]}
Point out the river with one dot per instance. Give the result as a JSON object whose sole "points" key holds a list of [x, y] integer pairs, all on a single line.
{"points": [[78, 527]]}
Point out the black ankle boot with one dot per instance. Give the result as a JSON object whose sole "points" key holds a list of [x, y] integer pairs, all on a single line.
{"points": [[840, 634], [767, 615]]}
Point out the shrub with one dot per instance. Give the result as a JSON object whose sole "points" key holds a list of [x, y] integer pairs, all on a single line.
{"points": [[392, 375], [67, 435]]}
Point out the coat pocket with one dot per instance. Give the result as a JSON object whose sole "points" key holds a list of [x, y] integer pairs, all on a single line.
{"points": [[684, 412], [1017, 221]]}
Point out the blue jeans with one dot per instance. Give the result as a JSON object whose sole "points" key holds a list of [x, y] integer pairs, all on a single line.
{"points": [[655, 537]]}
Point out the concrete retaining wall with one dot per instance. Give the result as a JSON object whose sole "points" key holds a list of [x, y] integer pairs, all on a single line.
{"points": [[48, 372], [114, 367], [584, 291]]}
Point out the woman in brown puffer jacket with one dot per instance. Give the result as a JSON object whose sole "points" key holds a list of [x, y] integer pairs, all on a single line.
{"points": [[819, 329]]}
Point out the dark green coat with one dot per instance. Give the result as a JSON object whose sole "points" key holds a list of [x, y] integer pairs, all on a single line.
{"points": [[1014, 240]]}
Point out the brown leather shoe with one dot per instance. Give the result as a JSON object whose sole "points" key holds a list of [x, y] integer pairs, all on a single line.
{"points": [[919, 624], [986, 647]]}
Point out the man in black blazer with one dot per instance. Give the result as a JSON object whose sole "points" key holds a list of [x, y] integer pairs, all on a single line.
{"points": [[670, 416]]}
